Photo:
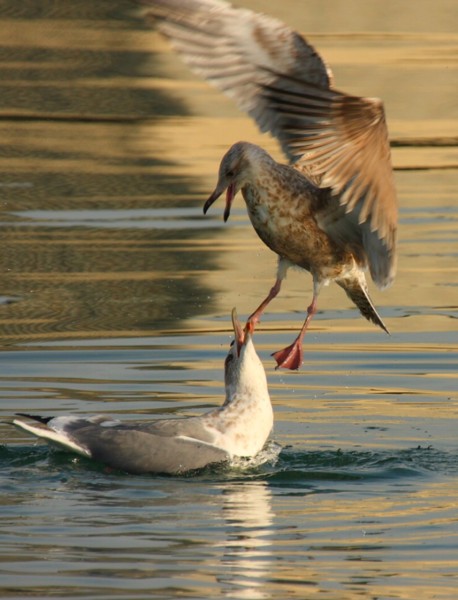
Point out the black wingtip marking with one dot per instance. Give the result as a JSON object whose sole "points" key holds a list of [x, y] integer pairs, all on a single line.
{"points": [[38, 418]]}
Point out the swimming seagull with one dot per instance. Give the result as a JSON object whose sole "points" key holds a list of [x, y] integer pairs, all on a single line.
{"points": [[239, 428], [333, 210]]}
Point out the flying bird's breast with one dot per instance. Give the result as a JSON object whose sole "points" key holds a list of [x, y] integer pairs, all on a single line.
{"points": [[281, 209]]}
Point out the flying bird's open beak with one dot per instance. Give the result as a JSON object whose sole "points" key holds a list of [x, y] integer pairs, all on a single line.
{"points": [[229, 198], [230, 193]]}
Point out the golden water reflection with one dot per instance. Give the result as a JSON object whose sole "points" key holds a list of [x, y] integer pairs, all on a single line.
{"points": [[109, 147], [123, 120]]}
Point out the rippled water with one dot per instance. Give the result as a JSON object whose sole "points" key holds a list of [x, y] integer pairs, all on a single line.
{"points": [[116, 295]]}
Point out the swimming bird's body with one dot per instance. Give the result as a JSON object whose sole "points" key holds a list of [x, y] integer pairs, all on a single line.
{"points": [[239, 428], [333, 210]]}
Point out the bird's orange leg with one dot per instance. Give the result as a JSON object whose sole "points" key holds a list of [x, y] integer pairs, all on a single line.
{"points": [[254, 318], [292, 357], [282, 268]]}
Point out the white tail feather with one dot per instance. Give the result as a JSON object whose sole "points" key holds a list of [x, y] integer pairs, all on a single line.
{"points": [[59, 438]]}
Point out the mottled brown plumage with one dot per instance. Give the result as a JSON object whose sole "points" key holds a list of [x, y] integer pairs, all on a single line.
{"points": [[333, 212]]}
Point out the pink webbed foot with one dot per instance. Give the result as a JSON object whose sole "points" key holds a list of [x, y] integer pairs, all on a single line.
{"points": [[291, 357]]}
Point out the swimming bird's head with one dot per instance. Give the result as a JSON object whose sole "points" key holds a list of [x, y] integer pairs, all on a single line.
{"points": [[233, 172], [243, 370]]}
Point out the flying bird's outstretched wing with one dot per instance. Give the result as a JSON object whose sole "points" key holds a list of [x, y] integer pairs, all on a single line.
{"points": [[239, 51], [281, 81]]}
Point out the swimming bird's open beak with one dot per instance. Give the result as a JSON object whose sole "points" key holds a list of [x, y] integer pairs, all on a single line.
{"points": [[239, 334], [230, 193]]}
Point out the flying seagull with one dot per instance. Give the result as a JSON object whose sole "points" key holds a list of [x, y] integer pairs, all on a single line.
{"points": [[333, 209]]}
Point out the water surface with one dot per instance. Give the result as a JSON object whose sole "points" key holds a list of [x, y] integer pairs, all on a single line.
{"points": [[116, 296]]}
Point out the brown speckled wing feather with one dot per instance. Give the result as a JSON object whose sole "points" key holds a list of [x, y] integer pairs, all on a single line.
{"points": [[344, 140], [239, 51], [280, 80]]}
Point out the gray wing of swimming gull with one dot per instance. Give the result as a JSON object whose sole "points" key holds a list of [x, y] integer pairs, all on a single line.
{"points": [[137, 451], [192, 427], [169, 446]]}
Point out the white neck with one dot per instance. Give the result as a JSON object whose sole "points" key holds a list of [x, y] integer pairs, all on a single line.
{"points": [[242, 425]]}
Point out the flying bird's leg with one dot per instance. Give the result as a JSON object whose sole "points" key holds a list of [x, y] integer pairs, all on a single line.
{"points": [[283, 266], [253, 319], [292, 356]]}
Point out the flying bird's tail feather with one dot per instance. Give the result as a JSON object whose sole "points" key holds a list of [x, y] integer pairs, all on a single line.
{"points": [[356, 290]]}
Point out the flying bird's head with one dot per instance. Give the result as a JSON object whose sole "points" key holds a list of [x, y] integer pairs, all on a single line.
{"points": [[233, 174]]}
